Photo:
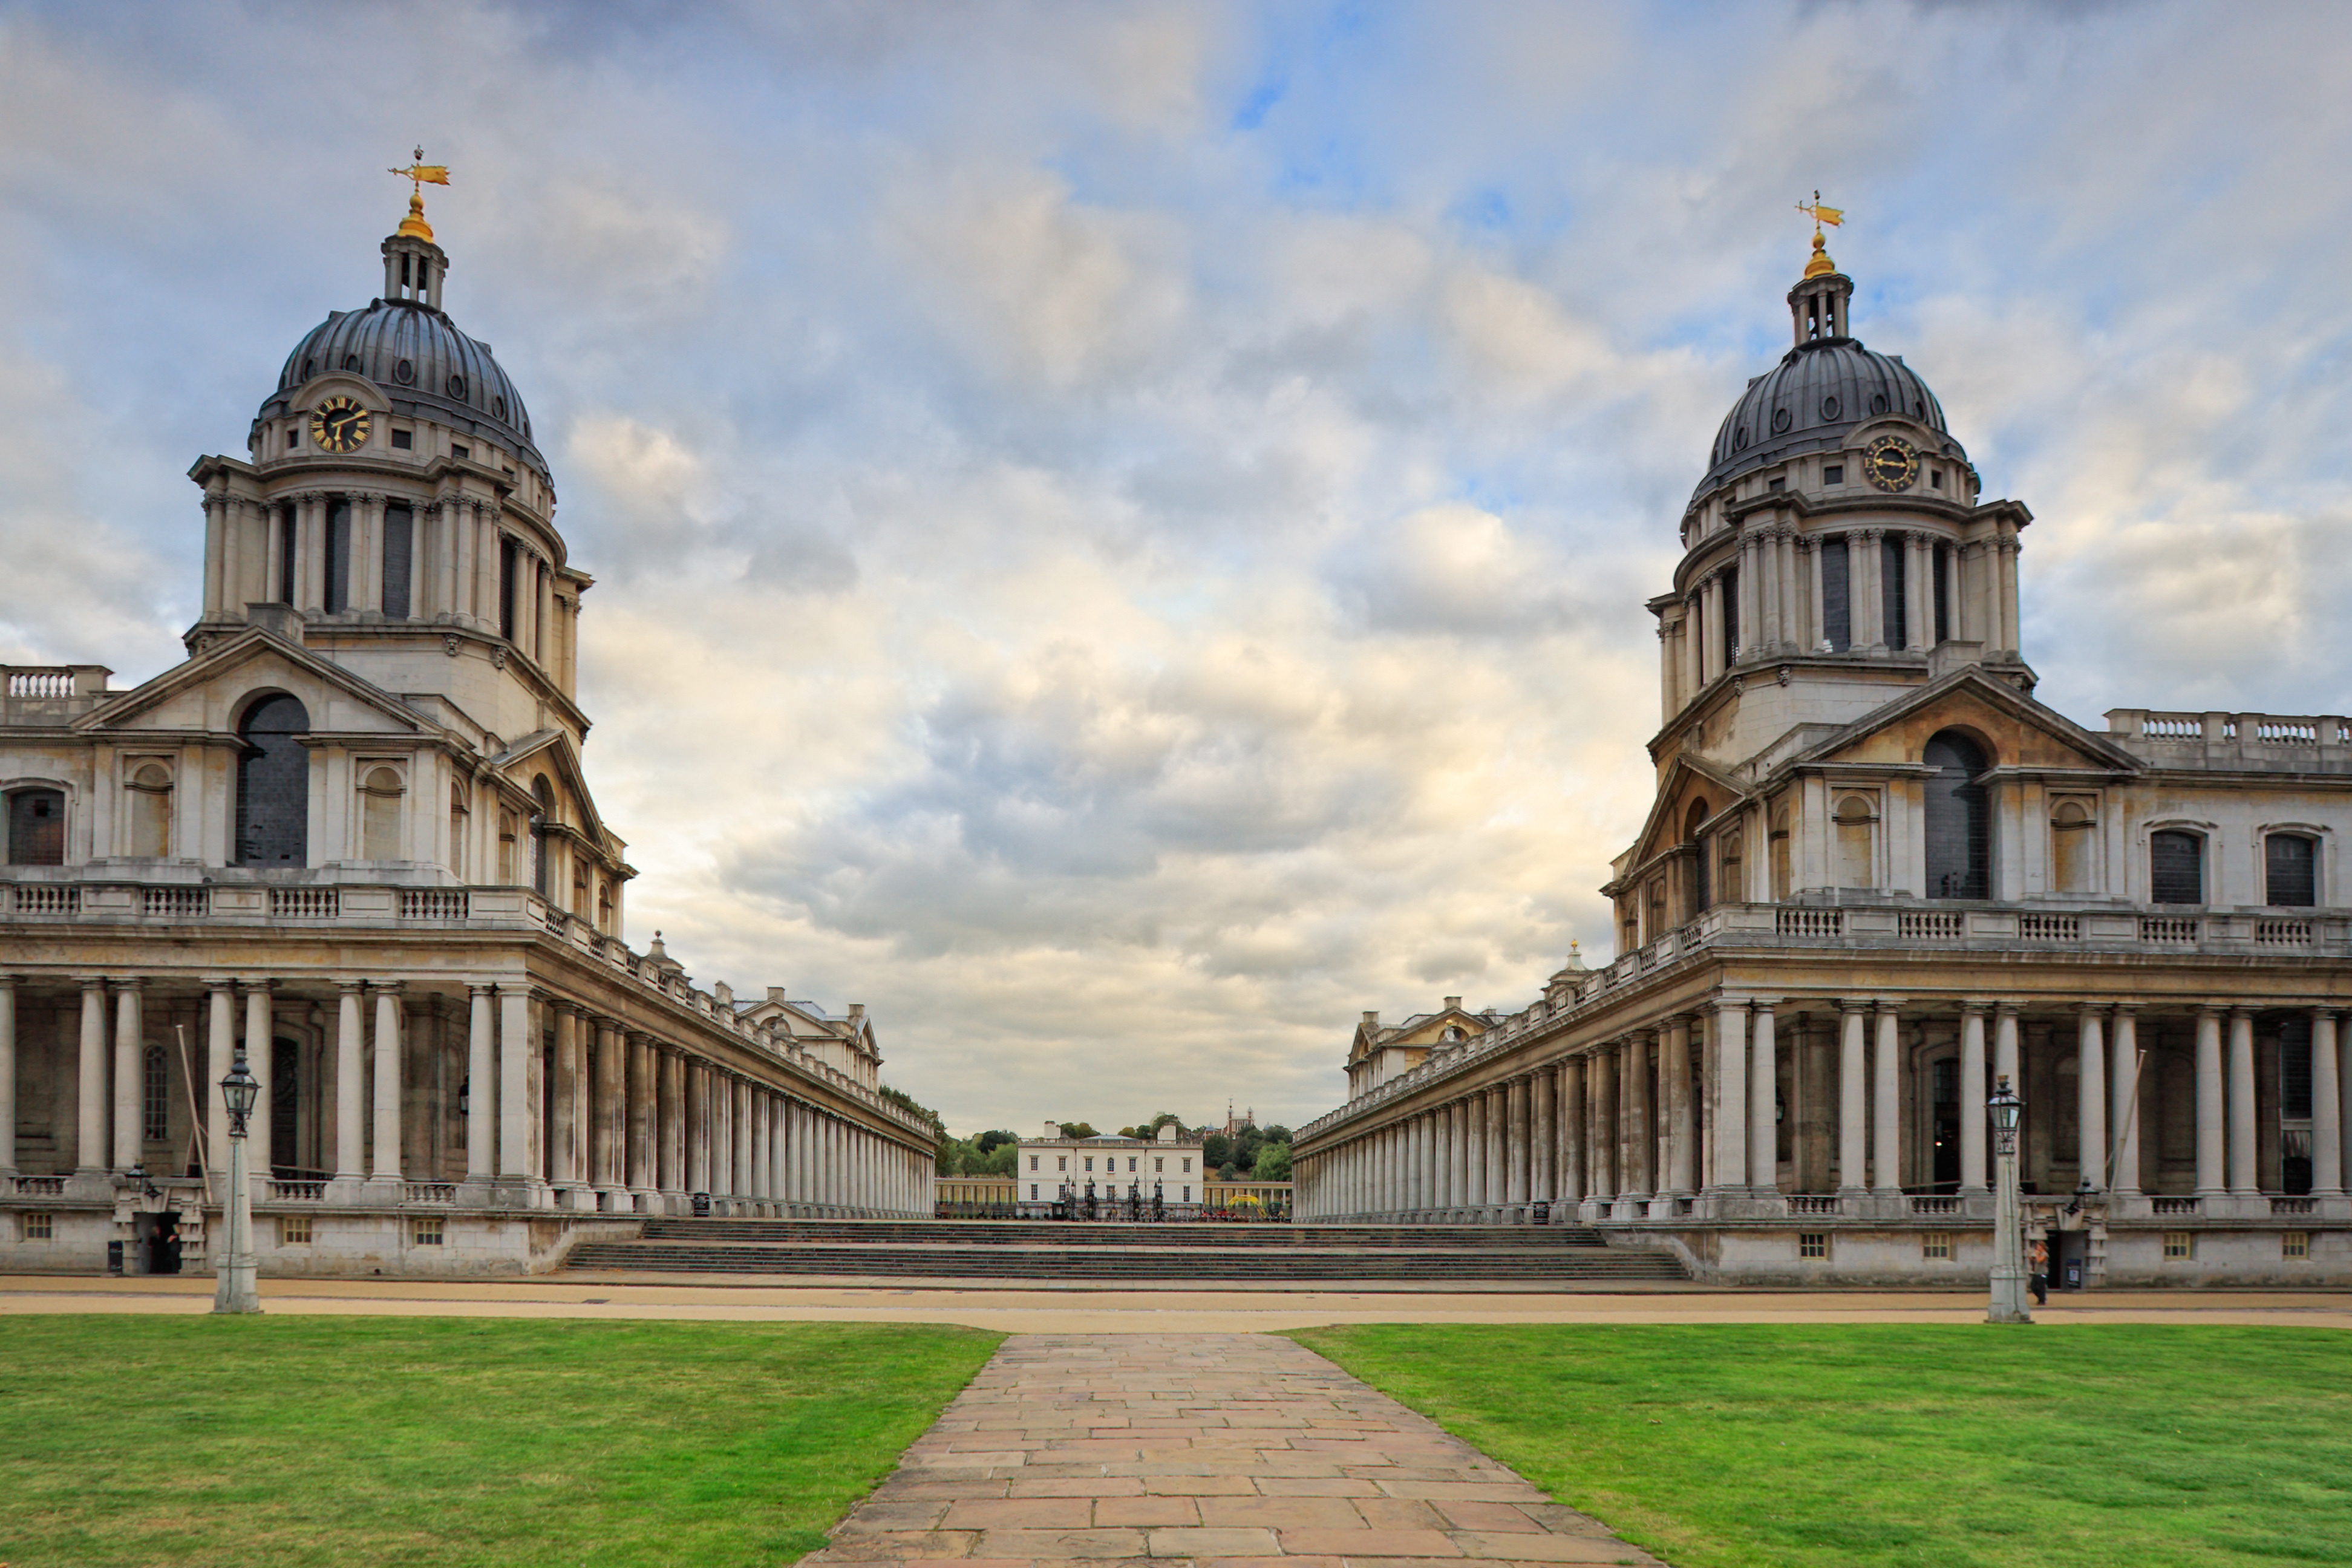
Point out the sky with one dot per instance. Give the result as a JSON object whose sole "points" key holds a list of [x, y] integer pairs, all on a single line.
{"points": [[1120, 530]]}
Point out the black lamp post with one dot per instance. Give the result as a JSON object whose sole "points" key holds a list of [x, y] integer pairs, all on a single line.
{"points": [[2008, 1303], [237, 1290]]}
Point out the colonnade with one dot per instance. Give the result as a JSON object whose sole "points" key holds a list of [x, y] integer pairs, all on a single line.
{"points": [[1685, 1116], [560, 1106]]}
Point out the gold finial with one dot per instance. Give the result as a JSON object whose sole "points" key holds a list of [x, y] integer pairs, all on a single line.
{"points": [[420, 174], [1820, 263]]}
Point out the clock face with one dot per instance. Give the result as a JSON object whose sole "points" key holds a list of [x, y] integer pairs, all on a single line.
{"points": [[338, 424], [1890, 463]]}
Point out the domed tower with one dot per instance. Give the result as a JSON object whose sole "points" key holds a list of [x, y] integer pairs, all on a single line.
{"points": [[1834, 554], [393, 515]]}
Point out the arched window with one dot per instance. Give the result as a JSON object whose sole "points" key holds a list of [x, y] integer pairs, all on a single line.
{"points": [[150, 809], [605, 907], [36, 827], [273, 785], [2176, 868], [2291, 869], [1782, 872], [380, 793], [1701, 886], [1856, 824], [510, 829], [2071, 846], [155, 1102], [1958, 819], [543, 817]]}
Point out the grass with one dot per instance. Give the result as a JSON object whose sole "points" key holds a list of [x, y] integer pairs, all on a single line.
{"points": [[298, 1441], [1856, 1447]]}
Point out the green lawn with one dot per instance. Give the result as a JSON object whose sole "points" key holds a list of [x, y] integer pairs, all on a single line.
{"points": [[1856, 1447], [294, 1441]]}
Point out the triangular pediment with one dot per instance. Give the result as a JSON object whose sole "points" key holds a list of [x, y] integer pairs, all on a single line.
{"points": [[210, 692], [551, 753], [2017, 731], [1688, 778]]}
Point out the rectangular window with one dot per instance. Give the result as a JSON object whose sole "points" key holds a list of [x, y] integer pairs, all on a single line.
{"points": [[294, 1230], [293, 438], [339, 556], [1730, 614], [286, 531], [1936, 477], [507, 589], [2294, 1243], [2290, 864], [1813, 1244], [426, 1232], [40, 1227], [2176, 868], [2295, 1080], [1942, 585], [1834, 474], [1837, 616], [1130, 1161], [1032, 1161], [1892, 554], [398, 536], [1062, 1163], [1090, 1162], [1159, 1164], [1935, 1247], [1188, 1167], [1774, 487], [404, 440], [459, 451], [2180, 1243], [1033, 1190], [1188, 1195]]}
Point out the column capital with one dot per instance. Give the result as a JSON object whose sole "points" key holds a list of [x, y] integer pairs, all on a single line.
{"points": [[2092, 1009], [1975, 1007], [2214, 1009], [390, 985], [1886, 1005], [2123, 1007], [2008, 1009], [480, 988], [2240, 1010], [351, 985], [2315, 1011]]}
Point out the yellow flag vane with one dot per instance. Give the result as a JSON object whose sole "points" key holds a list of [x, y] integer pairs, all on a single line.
{"points": [[420, 174], [1833, 216]]}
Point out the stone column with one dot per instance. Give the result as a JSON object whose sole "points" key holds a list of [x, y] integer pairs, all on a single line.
{"points": [[643, 1181], [1601, 1140], [1473, 1163], [130, 1075], [2326, 1108], [740, 1144], [386, 1166], [1919, 590], [2091, 1098], [612, 1163], [221, 1053], [1763, 1103], [1516, 1133], [1640, 1142], [1973, 1122], [1682, 1108], [518, 1106], [481, 1085], [1886, 1120], [1498, 1147], [2211, 1144], [1854, 1098], [669, 1124], [1543, 1156], [2123, 1087], [8, 1074], [697, 1128], [1571, 1130], [259, 1060], [778, 1187], [2243, 1179], [1731, 1106], [563, 1162], [350, 1084], [1717, 651], [756, 1109]]}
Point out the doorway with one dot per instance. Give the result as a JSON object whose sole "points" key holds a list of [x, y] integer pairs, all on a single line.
{"points": [[1945, 1114]]}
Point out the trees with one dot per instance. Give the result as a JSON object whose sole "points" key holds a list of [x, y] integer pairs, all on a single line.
{"points": [[1272, 1162], [1078, 1129]]}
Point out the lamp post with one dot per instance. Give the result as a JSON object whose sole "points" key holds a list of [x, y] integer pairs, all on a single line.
{"points": [[236, 1292], [2008, 1304]]}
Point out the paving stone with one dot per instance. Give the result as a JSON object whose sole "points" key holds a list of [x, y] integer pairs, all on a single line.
{"points": [[1199, 1451]]}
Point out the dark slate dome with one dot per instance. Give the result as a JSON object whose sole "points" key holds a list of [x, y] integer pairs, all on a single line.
{"points": [[427, 368], [1821, 389]]}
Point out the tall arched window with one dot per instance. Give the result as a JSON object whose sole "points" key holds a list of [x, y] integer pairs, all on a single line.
{"points": [[150, 809], [543, 817], [155, 1102], [2291, 869], [273, 785], [458, 819], [381, 794], [36, 827], [2176, 868], [1958, 819], [1856, 822], [2072, 844]]}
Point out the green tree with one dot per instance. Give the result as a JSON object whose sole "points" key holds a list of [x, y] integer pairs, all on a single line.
{"points": [[1216, 1152], [1272, 1162], [1078, 1129], [989, 1140]]}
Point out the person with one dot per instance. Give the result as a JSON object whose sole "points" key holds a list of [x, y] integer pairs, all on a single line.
{"points": [[2037, 1278]]}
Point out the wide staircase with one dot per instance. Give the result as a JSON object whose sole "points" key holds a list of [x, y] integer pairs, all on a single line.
{"points": [[1098, 1253]]}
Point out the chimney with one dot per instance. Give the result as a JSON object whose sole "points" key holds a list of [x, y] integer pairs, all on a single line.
{"points": [[1453, 1003], [776, 995], [857, 1012], [1053, 1133], [1371, 1020]]}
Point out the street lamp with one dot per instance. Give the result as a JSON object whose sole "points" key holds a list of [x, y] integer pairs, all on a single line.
{"points": [[2008, 1304], [236, 1292]]}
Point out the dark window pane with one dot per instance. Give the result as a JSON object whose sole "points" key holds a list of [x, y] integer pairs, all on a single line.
{"points": [[339, 556], [398, 525], [1943, 590], [1958, 820], [273, 785], [2292, 867], [2176, 868], [1837, 618], [36, 827], [1891, 554], [1730, 614]]}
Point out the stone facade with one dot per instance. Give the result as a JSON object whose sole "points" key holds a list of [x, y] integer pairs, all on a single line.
{"points": [[352, 834], [1879, 875], [1054, 1168]]}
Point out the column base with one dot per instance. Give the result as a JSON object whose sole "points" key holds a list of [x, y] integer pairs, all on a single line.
{"points": [[347, 1189], [477, 1190], [384, 1190], [521, 1192]]}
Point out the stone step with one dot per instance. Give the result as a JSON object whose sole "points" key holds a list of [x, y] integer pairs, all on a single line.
{"points": [[1100, 1233], [1179, 1264]]}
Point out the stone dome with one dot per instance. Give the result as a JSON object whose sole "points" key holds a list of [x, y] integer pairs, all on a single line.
{"points": [[1811, 401], [427, 367]]}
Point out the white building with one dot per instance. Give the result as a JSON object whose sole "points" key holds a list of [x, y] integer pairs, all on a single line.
{"points": [[1058, 1169], [1878, 875], [354, 832]]}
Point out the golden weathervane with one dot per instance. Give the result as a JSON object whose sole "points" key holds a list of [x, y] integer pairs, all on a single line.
{"points": [[420, 174], [1820, 215]]}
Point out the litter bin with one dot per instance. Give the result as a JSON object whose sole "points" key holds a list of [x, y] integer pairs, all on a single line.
{"points": [[702, 1205], [1542, 1214], [114, 1258]]}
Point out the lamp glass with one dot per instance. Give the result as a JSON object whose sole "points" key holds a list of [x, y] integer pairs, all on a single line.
{"points": [[240, 1090]]}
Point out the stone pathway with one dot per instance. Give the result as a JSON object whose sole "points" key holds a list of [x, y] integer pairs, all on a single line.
{"points": [[1220, 1450]]}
